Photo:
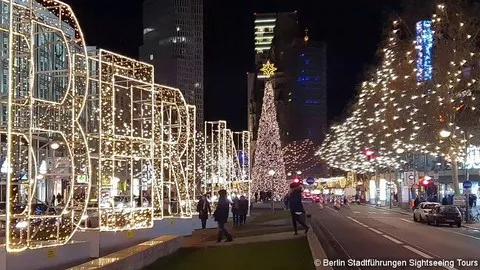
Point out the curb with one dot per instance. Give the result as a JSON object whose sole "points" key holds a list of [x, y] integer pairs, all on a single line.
{"points": [[318, 254], [470, 227]]}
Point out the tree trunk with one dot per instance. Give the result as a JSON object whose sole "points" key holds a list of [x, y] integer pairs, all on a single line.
{"points": [[456, 183]]}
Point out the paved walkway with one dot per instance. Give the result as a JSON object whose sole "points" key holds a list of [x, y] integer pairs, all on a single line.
{"points": [[253, 239], [203, 237]]}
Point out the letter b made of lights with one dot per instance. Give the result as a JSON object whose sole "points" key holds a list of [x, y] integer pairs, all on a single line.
{"points": [[44, 149], [89, 141]]}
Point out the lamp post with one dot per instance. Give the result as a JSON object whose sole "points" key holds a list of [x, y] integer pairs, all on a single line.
{"points": [[467, 178], [272, 173]]}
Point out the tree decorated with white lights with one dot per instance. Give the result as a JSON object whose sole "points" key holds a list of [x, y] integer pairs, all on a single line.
{"points": [[381, 125], [421, 98], [268, 172], [449, 103]]}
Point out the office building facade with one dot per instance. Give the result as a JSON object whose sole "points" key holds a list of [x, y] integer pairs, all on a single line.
{"points": [[299, 82], [173, 44]]}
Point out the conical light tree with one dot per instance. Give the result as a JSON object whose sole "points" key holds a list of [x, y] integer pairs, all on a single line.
{"points": [[268, 167]]}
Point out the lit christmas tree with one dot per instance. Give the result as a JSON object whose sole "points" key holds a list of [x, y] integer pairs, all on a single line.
{"points": [[268, 167]]}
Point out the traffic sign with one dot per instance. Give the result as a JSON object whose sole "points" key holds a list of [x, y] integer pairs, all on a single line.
{"points": [[467, 185], [310, 180]]}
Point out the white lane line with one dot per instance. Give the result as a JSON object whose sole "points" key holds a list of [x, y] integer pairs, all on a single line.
{"points": [[332, 209], [426, 256], [466, 235], [371, 212], [356, 212], [358, 222], [376, 231], [392, 239], [406, 220]]}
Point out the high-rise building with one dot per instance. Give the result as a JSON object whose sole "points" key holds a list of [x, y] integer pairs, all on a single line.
{"points": [[299, 82], [267, 26], [173, 43], [305, 95]]}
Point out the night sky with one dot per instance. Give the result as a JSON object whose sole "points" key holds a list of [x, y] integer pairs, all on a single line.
{"points": [[352, 30]]}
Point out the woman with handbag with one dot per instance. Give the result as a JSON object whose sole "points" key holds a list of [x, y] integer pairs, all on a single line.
{"points": [[296, 207]]}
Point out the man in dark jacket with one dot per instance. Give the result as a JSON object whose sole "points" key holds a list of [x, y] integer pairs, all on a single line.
{"points": [[203, 209], [243, 209], [296, 207], [221, 216]]}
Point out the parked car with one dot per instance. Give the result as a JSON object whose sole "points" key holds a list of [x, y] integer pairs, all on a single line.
{"points": [[445, 214], [422, 209]]}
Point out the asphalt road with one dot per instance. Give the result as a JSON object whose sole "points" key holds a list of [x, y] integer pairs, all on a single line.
{"points": [[363, 232]]}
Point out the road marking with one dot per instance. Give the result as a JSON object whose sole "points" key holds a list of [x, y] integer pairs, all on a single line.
{"points": [[392, 239], [406, 220], [466, 235], [371, 212], [426, 256], [356, 212], [376, 231], [358, 222], [331, 209], [386, 213]]}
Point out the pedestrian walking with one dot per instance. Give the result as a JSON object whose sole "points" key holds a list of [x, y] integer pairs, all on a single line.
{"points": [[203, 209], [221, 216], [296, 207], [235, 212], [242, 209]]}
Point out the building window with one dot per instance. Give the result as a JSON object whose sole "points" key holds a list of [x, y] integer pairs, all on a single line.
{"points": [[147, 30], [151, 56]]}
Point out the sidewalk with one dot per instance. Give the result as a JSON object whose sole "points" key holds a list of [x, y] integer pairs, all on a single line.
{"points": [[253, 239]]}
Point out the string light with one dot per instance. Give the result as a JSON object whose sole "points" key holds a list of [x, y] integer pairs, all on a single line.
{"points": [[226, 162], [300, 156], [32, 117], [396, 115], [123, 144], [268, 152], [268, 69]]}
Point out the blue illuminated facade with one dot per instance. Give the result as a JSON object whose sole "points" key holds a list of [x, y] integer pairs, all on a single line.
{"points": [[306, 99], [424, 50]]}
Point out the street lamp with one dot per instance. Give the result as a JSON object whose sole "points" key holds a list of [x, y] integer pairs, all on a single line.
{"points": [[289, 174], [445, 133], [299, 172], [272, 173], [54, 145]]}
